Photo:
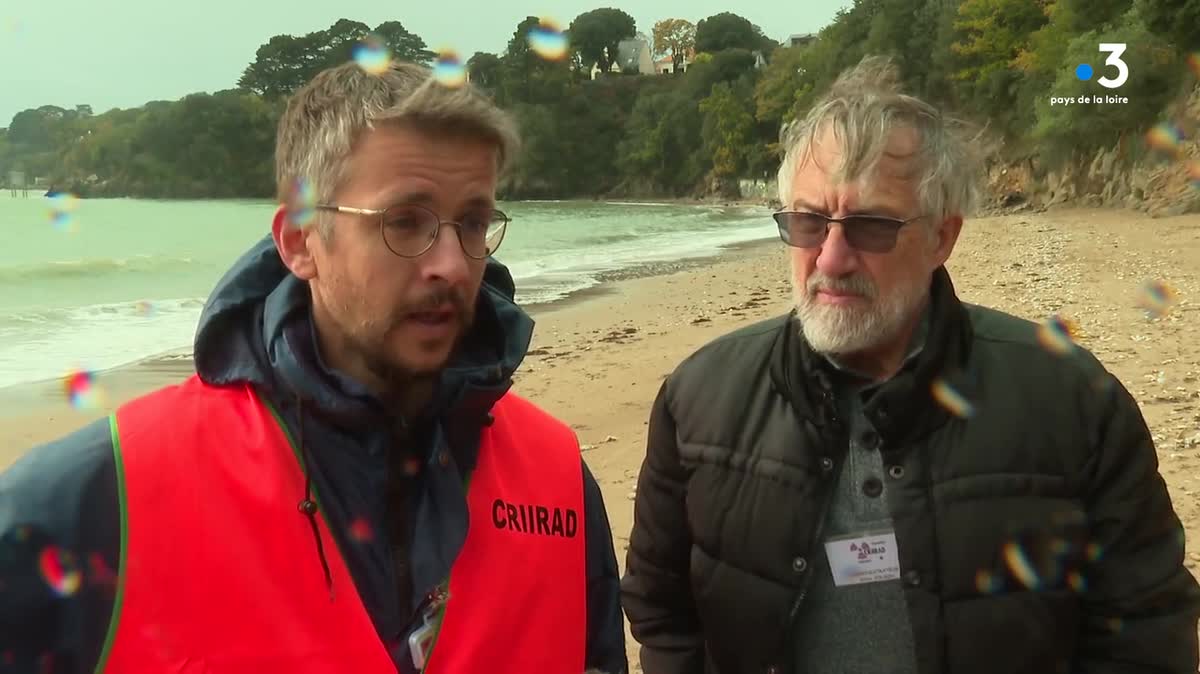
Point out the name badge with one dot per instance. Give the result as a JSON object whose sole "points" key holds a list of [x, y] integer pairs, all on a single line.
{"points": [[863, 559]]}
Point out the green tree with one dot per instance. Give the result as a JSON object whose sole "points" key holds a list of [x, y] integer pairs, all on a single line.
{"points": [[1177, 20], [783, 81], [662, 152], [993, 34], [1064, 132], [484, 70], [526, 77], [595, 35], [675, 38], [405, 46], [283, 65], [727, 30], [336, 43], [727, 131]]}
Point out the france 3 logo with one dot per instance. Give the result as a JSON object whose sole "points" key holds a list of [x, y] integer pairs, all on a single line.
{"points": [[1084, 73]]}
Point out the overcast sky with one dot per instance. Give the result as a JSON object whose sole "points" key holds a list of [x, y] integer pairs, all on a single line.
{"points": [[123, 53]]}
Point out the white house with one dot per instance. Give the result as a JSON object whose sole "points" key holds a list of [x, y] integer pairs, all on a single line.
{"points": [[633, 55]]}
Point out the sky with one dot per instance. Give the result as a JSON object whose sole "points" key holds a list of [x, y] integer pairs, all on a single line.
{"points": [[123, 53]]}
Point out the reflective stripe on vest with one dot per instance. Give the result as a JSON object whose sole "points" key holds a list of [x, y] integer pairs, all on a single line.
{"points": [[219, 571]]}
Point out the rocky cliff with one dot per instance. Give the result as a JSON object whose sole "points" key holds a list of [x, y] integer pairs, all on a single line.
{"points": [[1165, 180]]}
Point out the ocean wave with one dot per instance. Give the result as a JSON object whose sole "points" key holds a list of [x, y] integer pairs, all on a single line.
{"points": [[40, 345], [84, 316], [91, 267]]}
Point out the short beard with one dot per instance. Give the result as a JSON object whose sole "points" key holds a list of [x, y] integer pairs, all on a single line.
{"points": [[844, 330], [368, 339]]}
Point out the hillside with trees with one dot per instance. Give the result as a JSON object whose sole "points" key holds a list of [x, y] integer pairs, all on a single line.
{"points": [[594, 130]]}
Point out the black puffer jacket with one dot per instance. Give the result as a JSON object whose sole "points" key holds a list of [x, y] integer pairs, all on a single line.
{"points": [[1056, 459]]}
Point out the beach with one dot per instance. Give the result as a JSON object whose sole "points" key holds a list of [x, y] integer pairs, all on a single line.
{"points": [[599, 357]]}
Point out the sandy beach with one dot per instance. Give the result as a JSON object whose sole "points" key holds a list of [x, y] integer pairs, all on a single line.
{"points": [[597, 361]]}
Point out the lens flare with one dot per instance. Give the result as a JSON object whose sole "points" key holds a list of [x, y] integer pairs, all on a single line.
{"points": [[1165, 139], [62, 208], [373, 55], [82, 391], [950, 399], [360, 530], [449, 70], [301, 206], [1076, 582], [1058, 334], [1019, 565], [1193, 61], [412, 465], [548, 40], [986, 582], [60, 571], [1156, 298], [1193, 170]]}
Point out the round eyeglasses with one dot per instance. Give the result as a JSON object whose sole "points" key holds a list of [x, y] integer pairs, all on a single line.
{"points": [[409, 230]]}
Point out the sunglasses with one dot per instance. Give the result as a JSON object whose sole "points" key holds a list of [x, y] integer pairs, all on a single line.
{"points": [[867, 233]]}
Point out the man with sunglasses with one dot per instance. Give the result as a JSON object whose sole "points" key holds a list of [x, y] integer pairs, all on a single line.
{"points": [[888, 479], [346, 484]]}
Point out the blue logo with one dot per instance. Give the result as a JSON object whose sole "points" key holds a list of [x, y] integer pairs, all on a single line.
{"points": [[1083, 71]]}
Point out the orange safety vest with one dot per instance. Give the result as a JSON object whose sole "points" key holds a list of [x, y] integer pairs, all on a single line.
{"points": [[218, 572]]}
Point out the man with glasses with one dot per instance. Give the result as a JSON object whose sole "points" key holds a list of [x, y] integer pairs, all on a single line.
{"points": [[346, 484], [887, 479]]}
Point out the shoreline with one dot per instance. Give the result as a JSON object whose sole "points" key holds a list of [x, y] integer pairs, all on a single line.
{"points": [[157, 368]]}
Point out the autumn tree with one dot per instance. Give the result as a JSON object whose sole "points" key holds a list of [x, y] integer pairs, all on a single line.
{"points": [[675, 37]]}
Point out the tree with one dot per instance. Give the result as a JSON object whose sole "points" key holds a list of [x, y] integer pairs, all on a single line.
{"points": [[526, 77], [992, 35], [782, 80], [728, 130], [729, 31], [1064, 131], [595, 35], [336, 43], [405, 46], [286, 63], [484, 70], [283, 65], [1177, 20], [675, 37]]}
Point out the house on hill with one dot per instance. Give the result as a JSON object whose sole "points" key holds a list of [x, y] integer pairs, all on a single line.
{"points": [[633, 56], [800, 39]]}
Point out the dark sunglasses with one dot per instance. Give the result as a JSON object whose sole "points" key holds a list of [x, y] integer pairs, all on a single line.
{"points": [[868, 233]]}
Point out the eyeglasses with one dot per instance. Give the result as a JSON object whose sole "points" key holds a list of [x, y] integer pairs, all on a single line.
{"points": [[868, 233], [409, 230]]}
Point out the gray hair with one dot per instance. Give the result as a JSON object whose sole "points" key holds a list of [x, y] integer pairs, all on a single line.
{"points": [[325, 118], [862, 109]]}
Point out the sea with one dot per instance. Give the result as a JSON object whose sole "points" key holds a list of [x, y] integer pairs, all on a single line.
{"points": [[93, 284]]}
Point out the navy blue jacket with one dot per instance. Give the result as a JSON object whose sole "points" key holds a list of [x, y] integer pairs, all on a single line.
{"points": [[256, 328]]}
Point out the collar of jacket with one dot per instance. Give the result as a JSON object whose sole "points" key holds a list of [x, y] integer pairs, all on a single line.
{"points": [[903, 409]]}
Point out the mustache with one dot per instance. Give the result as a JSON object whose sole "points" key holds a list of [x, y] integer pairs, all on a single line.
{"points": [[854, 283], [437, 299]]}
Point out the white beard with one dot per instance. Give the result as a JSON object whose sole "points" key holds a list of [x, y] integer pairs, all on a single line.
{"points": [[842, 330]]}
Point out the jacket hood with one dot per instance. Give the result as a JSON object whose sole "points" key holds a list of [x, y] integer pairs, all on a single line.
{"points": [[256, 327]]}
